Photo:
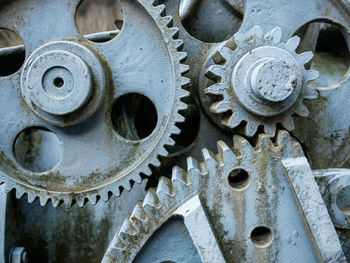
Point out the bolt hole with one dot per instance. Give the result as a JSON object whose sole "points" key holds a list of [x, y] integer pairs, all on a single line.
{"points": [[95, 17], [12, 52], [134, 116], [343, 199], [37, 149], [238, 179], [58, 82], [261, 236]]}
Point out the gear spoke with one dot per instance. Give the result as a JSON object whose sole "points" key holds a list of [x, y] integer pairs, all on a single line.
{"points": [[40, 22]]}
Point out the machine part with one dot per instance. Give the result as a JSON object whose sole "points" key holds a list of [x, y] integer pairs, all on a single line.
{"points": [[254, 204], [18, 255], [96, 161], [260, 82], [327, 141], [335, 188], [67, 234], [3, 206], [334, 185]]}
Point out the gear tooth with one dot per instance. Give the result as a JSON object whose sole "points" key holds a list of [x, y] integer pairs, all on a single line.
{"points": [[127, 186], [67, 200], [151, 202], [285, 142], [185, 93], [43, 200], [242, 146], [19, 192], [116, 190], [167, 20], [174, 32], [264, 142], [160, 10], [81, 201], [305, 57], [225, 153], [288, 123], [31, 197], [165, 189], [162, 152], [113, 253], [127, 232], [209, 159], [178, 44], [104, 195], [231, 121], [182, 106], [275, 35], [256, 32], [215, 72], [239, 40], [179, 178], [220, 106], [184, 68], [270, 130], [185, 82], [55, 202], [292, 44], [181, 56], [139, 213], [250, 129], [171, 142], [224, 53], [301, 110], [215, 89], [310, 93], [92, 199], [8, 188], [194, 170], [147, 171], [311, 75], [179, 118]]}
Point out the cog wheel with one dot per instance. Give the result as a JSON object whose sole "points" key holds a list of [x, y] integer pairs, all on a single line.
{"points": [[258, 80], [245, 204], [96, 161]]}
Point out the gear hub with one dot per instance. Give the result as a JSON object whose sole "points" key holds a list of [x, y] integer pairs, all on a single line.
{"points": [[260, 82]]}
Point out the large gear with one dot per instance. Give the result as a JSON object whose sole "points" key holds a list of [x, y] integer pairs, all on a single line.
{"points": [[228, 196], [258, 80], [96, 161]]}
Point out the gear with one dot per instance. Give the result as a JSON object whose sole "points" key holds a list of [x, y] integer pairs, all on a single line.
{"points": [[240, 203], [261, 82], [96, 161]]}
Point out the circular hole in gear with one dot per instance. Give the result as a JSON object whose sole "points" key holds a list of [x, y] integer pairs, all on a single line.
{"points": [[238, 179], [343, 199], [37, 149], [99, 21], [331, 56], [58, 82], [261, 236], [211, 21], [12, 52], [134, 116]]}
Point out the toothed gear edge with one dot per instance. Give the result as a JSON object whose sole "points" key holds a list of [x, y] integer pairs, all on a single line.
{"points": [[163, 203], [227, 111], [174, 46]]}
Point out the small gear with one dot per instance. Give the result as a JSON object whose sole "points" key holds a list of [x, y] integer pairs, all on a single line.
{"points": [[96, 161], [240, 203], [258, 80]]}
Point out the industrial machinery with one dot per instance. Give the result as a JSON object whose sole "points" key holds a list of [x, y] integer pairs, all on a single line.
{"points": [[188, 131]]}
